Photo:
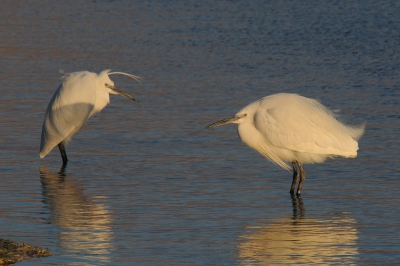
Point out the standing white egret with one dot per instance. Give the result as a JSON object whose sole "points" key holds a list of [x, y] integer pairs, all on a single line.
{"points": [[287, 127], [79, 96]]}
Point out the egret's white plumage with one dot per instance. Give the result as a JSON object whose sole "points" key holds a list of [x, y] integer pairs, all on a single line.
{"points": [[79, 96], [288, 127]]}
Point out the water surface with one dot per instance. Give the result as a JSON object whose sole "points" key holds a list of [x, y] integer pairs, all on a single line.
{"points": [[147, 184]]}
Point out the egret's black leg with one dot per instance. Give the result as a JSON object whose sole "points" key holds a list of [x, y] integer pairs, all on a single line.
{"points": [[295, 177], [63, 153], [298, 206], [302, 177]]}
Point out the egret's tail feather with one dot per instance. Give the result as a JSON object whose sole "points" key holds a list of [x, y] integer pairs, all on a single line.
{"points": [[357, 131]]}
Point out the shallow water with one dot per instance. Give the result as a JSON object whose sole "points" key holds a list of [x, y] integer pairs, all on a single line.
{"points": [[147, 184]]}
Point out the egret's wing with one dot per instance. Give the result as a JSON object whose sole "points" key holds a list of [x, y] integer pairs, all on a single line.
{"points": [[68, 110], [305, 127]]}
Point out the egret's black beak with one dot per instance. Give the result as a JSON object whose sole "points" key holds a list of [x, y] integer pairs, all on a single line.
{"points": [[121, 93], [224, 121]]}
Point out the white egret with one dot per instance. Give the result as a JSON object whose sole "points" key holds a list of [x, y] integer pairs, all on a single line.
{"points": [[287, 127], [79, 96]]}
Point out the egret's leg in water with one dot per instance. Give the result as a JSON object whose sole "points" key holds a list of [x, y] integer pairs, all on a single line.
{"points": [[298, 206], [63, 153], [302, 177], [295, 177]]}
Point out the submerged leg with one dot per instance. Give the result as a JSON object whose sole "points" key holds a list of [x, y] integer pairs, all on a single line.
{"points": [[302, 177], [295, 177], [63, 153], [298, 206]]}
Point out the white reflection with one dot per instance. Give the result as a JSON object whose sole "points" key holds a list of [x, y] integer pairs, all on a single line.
{"points": [[85, 223], [300, 241]]}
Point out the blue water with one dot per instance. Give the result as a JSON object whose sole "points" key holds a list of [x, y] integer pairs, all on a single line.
{"points": [[147, 184]]}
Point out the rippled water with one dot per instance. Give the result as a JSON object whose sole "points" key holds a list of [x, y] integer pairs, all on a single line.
{"points": [[147, 184]]}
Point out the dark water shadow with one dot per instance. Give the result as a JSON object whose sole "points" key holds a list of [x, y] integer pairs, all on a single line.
{"points": [[300, 240], [83, 222]]}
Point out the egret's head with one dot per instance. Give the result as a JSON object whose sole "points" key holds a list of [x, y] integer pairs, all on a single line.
{"points": [[104, 78], [108, 84]]}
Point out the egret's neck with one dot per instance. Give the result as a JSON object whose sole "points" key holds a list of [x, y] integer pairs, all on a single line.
{"points": [[249, 134], [102, 99]]}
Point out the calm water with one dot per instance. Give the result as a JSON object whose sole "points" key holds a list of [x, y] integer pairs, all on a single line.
{"points": [[147, 184]]}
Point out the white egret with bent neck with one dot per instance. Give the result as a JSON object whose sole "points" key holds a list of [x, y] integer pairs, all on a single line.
{"points": [[287, 127], [79, 96]]}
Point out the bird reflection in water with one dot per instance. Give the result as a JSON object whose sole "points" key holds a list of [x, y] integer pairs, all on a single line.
{"points": [[84, 223], [300, 240]]}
